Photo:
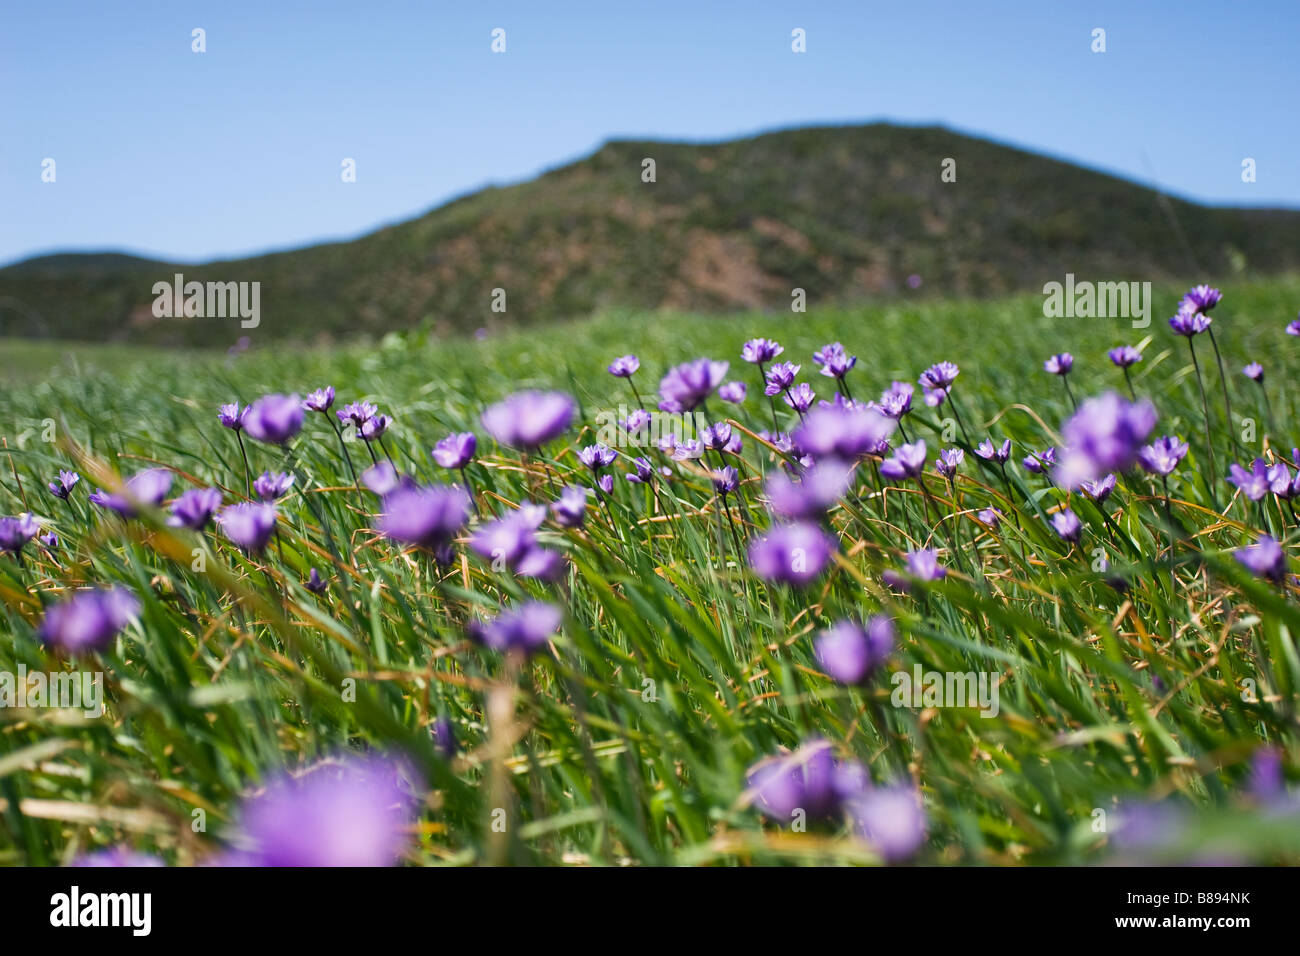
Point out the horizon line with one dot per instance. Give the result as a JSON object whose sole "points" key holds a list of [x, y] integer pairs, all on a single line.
{"points": [[257, 253]]}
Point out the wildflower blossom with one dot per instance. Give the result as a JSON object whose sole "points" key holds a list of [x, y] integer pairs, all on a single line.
{"points": [[62, 486], [1162, 456], [760, 350], [1124, 356], [16, 532], [320, 400], [1254, 484], [691, 383], [195, 508], [733, 392], [249, 525], [624, 366], [1059, 364], [524, 629], [810, 780], [274, 419], [891, 820], [89, 620], [850, 652], [1067, 525], [1104, 435], [795, 553], [354, 811], [455, 451], [908, 461], [271, 485], [1264, 558], [570, 508], [529, 420], [780, 377]]}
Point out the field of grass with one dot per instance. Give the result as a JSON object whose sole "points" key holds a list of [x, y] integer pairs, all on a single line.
{"points": [[1144, 675]]}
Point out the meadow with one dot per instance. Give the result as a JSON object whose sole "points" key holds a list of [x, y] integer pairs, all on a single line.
{"points": [[694, 668]]}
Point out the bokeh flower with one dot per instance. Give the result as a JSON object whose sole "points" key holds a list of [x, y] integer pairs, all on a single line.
{"points": [[88, 620]]}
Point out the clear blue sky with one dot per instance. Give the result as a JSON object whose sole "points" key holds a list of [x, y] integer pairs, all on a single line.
{"points": [[165, 152]]}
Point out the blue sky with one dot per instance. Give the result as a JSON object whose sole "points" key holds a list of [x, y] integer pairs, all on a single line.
{"points": [[186, 156]]}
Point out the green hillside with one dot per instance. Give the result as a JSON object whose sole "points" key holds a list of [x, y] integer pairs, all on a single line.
{"points": [[845, 213]]}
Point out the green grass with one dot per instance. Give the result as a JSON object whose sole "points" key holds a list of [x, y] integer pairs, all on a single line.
{"points": [[236, 671]]}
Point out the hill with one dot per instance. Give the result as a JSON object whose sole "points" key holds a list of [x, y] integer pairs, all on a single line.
{"points": [[845, 213]]}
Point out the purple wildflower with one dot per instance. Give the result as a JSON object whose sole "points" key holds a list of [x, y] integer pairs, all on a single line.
{"points": [[1067, 525], [643, 471], [892, 820], [624, 366], [1059, 364], [691, 383], [230, 415], [780, 377], [733, 392], [355, 811], [1189, 324], [1100, 489], [949, 461], [846, 433], [834, 361], [1162, 456], [1038, 462], [1201, 298], [1104, 435], [809, 780], [274, 419], [989, 452], [800, 398], [597, 456], [1264, 558], [320, 400], [16, 532], [456, 450], [88, 620], [62, 486], [896, 401], [922, 565], [529, 420], [756, 351], [524, 629], [373, 428], [939, 376], [817, 490], [570, 509], [357, 413], [716, 436], [1124, 356], [908, 462], [195, 508], [270, 485], [850, 652], [249, 525], [146, 488], [428, 517], [793, 554], [1254, 484]]}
